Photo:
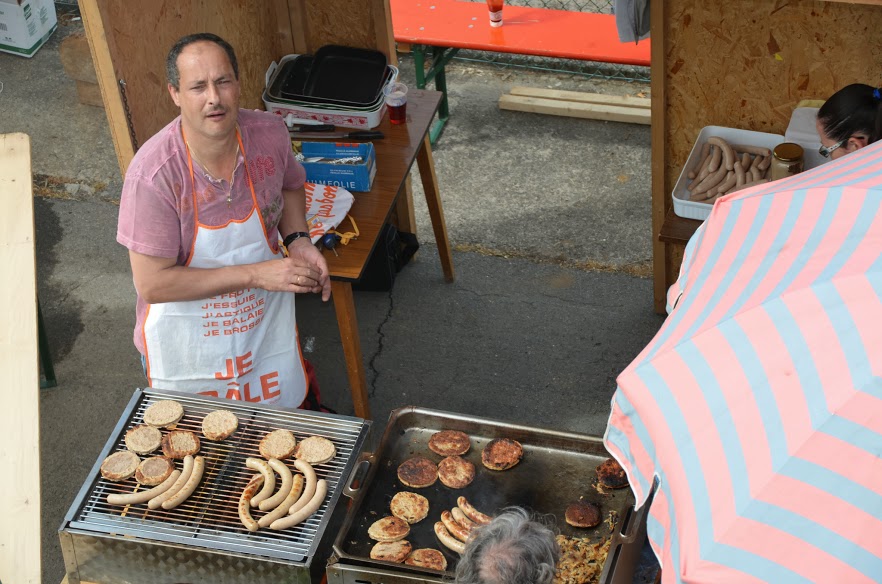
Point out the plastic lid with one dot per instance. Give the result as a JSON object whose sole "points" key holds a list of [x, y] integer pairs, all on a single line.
{"points": [[788, 151]]}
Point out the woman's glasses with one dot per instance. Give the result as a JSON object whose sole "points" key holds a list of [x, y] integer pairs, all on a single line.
{"points": [[826, 151]]}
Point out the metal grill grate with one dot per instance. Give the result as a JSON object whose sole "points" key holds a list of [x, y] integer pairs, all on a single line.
{"points": [[209, 518]]}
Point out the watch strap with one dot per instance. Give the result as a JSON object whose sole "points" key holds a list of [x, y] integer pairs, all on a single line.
{"points": [[294, 237]]}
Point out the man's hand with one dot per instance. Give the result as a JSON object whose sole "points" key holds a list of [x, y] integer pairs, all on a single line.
{"points": [[302, 250]]}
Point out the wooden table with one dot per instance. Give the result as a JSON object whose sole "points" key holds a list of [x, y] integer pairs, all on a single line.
{"points": [[403, 144]]}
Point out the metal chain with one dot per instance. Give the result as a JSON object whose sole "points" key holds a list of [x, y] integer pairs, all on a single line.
{"points": [[122, 91]]}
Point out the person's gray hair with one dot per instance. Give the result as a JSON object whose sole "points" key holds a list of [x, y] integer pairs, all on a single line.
{"points": [[514, 548]]}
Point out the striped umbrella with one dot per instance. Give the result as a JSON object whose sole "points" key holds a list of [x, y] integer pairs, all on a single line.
{"points": [[757, 407]]}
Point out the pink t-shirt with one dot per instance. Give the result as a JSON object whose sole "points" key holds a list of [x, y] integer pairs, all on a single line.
{"points": [[156, 214]]}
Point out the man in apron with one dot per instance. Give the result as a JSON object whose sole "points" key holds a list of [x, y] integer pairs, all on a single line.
{"points": [[204, 204]]}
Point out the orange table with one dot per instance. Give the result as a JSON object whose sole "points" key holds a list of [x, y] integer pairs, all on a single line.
{"points": [[396, 153]]}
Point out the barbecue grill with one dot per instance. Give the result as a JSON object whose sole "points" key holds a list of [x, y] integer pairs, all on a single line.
{"points": [[557, 469], [202, 540]]}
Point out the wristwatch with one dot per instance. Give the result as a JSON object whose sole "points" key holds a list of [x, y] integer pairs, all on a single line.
{"points": [[294, 237]]}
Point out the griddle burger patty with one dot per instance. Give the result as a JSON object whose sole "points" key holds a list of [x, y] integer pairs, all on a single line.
{"points": [[502, 454], [391, 551], [449, 443], [418, 472], [610, 474], [389, 529], [456, 472], [427, 558], [411, 507], [583, 514]]}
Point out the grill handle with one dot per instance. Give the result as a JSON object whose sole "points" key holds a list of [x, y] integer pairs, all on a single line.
{"points": [[357, 478]]}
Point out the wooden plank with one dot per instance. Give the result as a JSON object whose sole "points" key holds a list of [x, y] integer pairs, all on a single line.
{"points": [[574, 110], [582, 97], [19, 360], [658, 162], [93, 23]]}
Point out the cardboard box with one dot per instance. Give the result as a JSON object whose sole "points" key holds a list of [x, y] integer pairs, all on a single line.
{"points": [[25, 25], [352, 177]]}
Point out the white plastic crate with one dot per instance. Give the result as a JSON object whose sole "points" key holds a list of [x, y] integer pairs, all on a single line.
{"points": [[683, 207]]}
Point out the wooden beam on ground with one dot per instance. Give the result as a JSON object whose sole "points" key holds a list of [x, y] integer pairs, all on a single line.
{"points": [[19, 360], [582, 97], [571, 109]]}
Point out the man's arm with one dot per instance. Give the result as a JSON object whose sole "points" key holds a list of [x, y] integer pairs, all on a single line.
{"points": [[161, 280], [294, 220]]}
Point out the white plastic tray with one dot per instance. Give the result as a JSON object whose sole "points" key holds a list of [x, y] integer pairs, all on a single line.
{"points": [[683, 207]]}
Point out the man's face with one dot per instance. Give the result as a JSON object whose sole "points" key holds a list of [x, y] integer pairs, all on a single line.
{"points": [[208, 93]]}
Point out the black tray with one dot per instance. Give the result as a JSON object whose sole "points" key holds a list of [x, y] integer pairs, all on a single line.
{"points": [[346, 74], [291, 78]]}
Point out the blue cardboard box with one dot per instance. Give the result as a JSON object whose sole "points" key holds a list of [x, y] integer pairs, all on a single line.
{"points": [[356, 177]]}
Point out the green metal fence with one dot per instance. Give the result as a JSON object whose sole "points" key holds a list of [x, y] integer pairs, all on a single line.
{"points": [[588, 69]]}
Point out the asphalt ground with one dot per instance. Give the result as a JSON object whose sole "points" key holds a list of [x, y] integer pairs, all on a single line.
{"points": [[550, 222]]}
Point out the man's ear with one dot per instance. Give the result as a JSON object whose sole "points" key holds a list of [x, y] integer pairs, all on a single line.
{"points": [[174, 94], [857, 141]]}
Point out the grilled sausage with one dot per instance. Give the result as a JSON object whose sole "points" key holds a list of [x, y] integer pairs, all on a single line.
{"points": [[461, 518], [282, 509], [321, 489], [143, 496], [471, 512], [156, 502], [457, 530], [269, 479], [287, 480], [192, 481], [448, 540], [245, 502], [308, 490]]}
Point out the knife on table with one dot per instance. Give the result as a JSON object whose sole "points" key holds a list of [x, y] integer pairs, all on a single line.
{"points": [[359, 135]]}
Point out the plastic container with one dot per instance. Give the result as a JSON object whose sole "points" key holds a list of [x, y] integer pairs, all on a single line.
{"points": [[683, 207], [359, 118]]}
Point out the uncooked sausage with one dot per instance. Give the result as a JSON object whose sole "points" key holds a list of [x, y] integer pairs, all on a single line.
{"points": [[287, 480], [757, 150], [711, 181], [725, 185], [142, 496], [321, 489], [156, 502], [269, 479], [308, 490], [739, 172], [728, 153], [192, 482], [282, 509]]}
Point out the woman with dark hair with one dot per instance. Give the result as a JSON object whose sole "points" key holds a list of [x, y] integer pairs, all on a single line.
{"points": [[850, 120]]}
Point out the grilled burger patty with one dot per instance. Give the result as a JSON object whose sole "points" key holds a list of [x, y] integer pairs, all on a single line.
{"points": [[583, 514], [164, 413], [427, 558], [389, 529], [611, 474], [278, 444], [219, 424], [502, 454], [456, 472], [120, 465], [418, 472], [152, 471], [315, 450], [449, 443], [391, 551], [410, 507]]}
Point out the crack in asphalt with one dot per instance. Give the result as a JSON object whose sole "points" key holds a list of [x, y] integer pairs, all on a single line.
{"points": [[381, 338]]}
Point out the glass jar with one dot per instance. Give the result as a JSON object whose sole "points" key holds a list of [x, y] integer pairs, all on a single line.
{"points": [[787, 160]]}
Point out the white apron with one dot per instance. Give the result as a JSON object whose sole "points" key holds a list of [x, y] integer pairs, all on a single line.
{"points": [[242, 345]]}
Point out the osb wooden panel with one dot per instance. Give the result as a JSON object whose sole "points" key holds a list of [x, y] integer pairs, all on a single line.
{"points": [[139, 40], [343, 22], [746, 64]]}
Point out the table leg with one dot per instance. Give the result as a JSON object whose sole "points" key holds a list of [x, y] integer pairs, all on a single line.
{"points": [[433, 199], [344, 305]]}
